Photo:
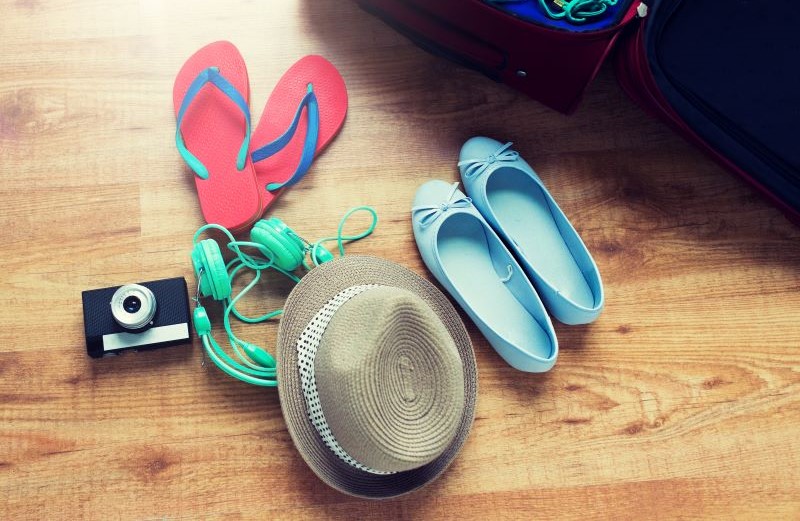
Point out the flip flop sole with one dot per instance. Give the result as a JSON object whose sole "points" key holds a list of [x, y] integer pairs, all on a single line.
{"points": [[331, 93], [213, 129]]}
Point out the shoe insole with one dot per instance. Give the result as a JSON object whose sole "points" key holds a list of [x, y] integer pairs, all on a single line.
{"points": [[522, 210], [466, 257]]}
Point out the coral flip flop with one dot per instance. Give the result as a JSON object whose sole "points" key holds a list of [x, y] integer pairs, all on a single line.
{"points": [[303, 114], [210, 95]]}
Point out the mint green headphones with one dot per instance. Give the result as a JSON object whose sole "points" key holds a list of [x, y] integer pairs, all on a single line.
{"points": [[276, 247]]}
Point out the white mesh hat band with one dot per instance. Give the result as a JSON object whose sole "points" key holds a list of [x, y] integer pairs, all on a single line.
{"points": [[307, 346]]}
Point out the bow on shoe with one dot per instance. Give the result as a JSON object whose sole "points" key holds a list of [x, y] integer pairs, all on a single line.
{"points": [[478, 166], [428, 214]]}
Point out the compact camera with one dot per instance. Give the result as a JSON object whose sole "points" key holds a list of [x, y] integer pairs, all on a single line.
{"points": [[136, 317]]}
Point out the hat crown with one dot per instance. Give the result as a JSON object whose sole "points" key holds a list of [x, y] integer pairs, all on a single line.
{"points": [[390, 380]]}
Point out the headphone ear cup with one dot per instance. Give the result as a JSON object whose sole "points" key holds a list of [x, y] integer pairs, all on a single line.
{"points": [[206, 256], [287, 251]]}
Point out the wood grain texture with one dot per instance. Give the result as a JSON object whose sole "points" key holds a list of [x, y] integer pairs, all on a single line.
{"points": [[681, 401]]}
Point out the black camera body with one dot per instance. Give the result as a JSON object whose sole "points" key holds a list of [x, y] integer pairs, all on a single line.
{"points": [[136, 317]]}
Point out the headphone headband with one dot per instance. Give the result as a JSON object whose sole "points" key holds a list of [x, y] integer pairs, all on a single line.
{"points": [[287, 248]]}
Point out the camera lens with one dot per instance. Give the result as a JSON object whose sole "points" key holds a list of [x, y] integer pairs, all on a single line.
{"points": [[132, 304]]}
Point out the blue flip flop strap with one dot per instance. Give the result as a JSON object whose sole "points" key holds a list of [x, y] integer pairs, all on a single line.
{"points": [[211, 75], [309, 102]]}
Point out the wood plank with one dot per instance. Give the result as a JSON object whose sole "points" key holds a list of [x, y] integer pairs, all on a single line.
{"points": [[681, 401]]}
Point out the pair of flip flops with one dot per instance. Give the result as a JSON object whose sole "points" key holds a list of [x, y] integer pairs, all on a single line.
{"points": [[239, 174]]}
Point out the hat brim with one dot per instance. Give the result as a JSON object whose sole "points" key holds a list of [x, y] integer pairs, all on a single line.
{"points": [[305, 300]]}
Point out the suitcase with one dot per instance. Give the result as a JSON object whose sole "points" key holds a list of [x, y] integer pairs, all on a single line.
{"points": [[723, 73], [551, 66], [730, 87]]}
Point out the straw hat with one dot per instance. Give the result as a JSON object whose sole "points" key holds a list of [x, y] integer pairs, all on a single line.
{"points": [[376, 376]]}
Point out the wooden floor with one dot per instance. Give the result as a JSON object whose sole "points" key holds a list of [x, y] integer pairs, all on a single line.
{"points": [[681, 401]]}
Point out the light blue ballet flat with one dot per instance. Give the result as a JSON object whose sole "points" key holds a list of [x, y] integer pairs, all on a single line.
{"points": [[515, 202], [468, 258]]}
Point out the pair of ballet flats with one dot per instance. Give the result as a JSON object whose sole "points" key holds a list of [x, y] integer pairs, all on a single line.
{"points": [[507, 253]]}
